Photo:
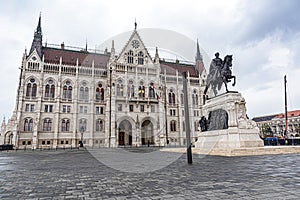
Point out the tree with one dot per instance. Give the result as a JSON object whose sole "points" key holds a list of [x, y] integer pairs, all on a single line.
{"points": [[266, 130]]}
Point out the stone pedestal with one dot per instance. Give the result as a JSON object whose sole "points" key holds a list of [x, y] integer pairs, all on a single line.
{"points": [[241, 133]]}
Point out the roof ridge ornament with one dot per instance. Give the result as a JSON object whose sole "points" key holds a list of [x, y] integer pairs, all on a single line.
{"points": [[135, 24]]}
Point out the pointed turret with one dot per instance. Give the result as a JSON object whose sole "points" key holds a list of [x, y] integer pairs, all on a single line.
{"points": [[3, 125], [112, 47], [156, 58], [39, 27], [199, 60], [198, 54], [37, 39], [112, 51], [86, 46]]}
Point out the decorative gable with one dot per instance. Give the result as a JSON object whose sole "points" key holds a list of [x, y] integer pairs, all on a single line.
{"points": [[34, 56], [33, 61], [134, 52]]}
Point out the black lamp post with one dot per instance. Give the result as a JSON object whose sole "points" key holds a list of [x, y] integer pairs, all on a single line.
{"points": [[110, 96], [187, 119], [81, 131]]}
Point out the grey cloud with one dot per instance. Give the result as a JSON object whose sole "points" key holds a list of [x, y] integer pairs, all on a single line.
{"points": [[261, 18]]}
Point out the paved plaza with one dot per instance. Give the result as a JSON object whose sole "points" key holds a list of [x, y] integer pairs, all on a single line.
{"points": [[76, 174]]}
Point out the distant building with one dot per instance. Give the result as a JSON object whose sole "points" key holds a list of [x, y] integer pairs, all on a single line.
{"points": [[275, 124], [68, 95]]}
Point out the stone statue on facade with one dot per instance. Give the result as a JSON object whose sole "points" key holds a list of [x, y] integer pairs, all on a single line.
{"points": [[219, 73]]}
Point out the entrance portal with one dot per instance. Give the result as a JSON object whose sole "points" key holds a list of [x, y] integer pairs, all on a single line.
{"points": [[125, 133], [8, 138], [121, 138], [147, 133]]}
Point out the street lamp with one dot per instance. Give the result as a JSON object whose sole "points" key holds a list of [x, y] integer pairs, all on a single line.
{"points": [[81, 131], [110, 96]]}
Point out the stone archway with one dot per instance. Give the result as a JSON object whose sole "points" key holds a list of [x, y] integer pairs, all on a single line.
{"points": [[8, 138], [147, 132], [125, 133]]}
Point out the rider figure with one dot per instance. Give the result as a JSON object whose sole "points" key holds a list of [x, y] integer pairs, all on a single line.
{"points": [[218, 61]]}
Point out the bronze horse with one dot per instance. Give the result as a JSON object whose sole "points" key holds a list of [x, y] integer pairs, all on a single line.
{"points": [[219, 73]]}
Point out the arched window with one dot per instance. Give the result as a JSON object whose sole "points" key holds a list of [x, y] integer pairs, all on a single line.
{"points": [[99, 92], [141, 89], [28, 124], [130, 89], [196, 126], [84, 91], [81, 92], [65, 125], [47, 124], [181, 98], [195, 98], [31, 88], [171, 97], [151, 91], [67, 91], [141, 58], [82, 125], [99, 125], [173, 125], [130, 57], [120, 88], [47, 90], [50, 89]]}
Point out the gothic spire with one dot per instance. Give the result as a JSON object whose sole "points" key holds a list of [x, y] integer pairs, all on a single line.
{"points": [[156, 58], [112, 51], [39, 27], [86, 45], [3, 122], [37, 39], [199, 61], [198, 54]]}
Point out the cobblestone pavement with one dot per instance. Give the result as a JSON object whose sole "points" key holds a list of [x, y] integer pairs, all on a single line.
{"points": [[75, 174]]}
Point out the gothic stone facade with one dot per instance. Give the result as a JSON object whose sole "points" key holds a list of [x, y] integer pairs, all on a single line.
{"points": [[103, 99]]}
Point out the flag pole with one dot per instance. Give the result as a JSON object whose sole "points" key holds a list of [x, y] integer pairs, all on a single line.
{"points": [[285, 106]]}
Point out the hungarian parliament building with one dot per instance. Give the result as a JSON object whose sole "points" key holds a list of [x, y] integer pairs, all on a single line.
{"points": [[68, 97]]}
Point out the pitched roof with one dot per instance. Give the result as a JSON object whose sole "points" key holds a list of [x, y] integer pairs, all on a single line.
{"points": [[294, 113], [69, 57], [264, 118], [171, 68]]}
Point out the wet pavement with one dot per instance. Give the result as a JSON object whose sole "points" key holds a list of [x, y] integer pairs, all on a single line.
{"points": [[76, 174]]}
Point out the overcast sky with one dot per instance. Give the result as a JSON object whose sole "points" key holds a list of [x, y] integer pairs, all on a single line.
{"points": [[262, 35]]}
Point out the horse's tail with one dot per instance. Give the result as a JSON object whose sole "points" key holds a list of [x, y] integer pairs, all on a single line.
{"points": [[206, 88]]}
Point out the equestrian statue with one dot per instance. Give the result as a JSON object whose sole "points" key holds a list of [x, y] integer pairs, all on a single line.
{"points": [[219, 73]]}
